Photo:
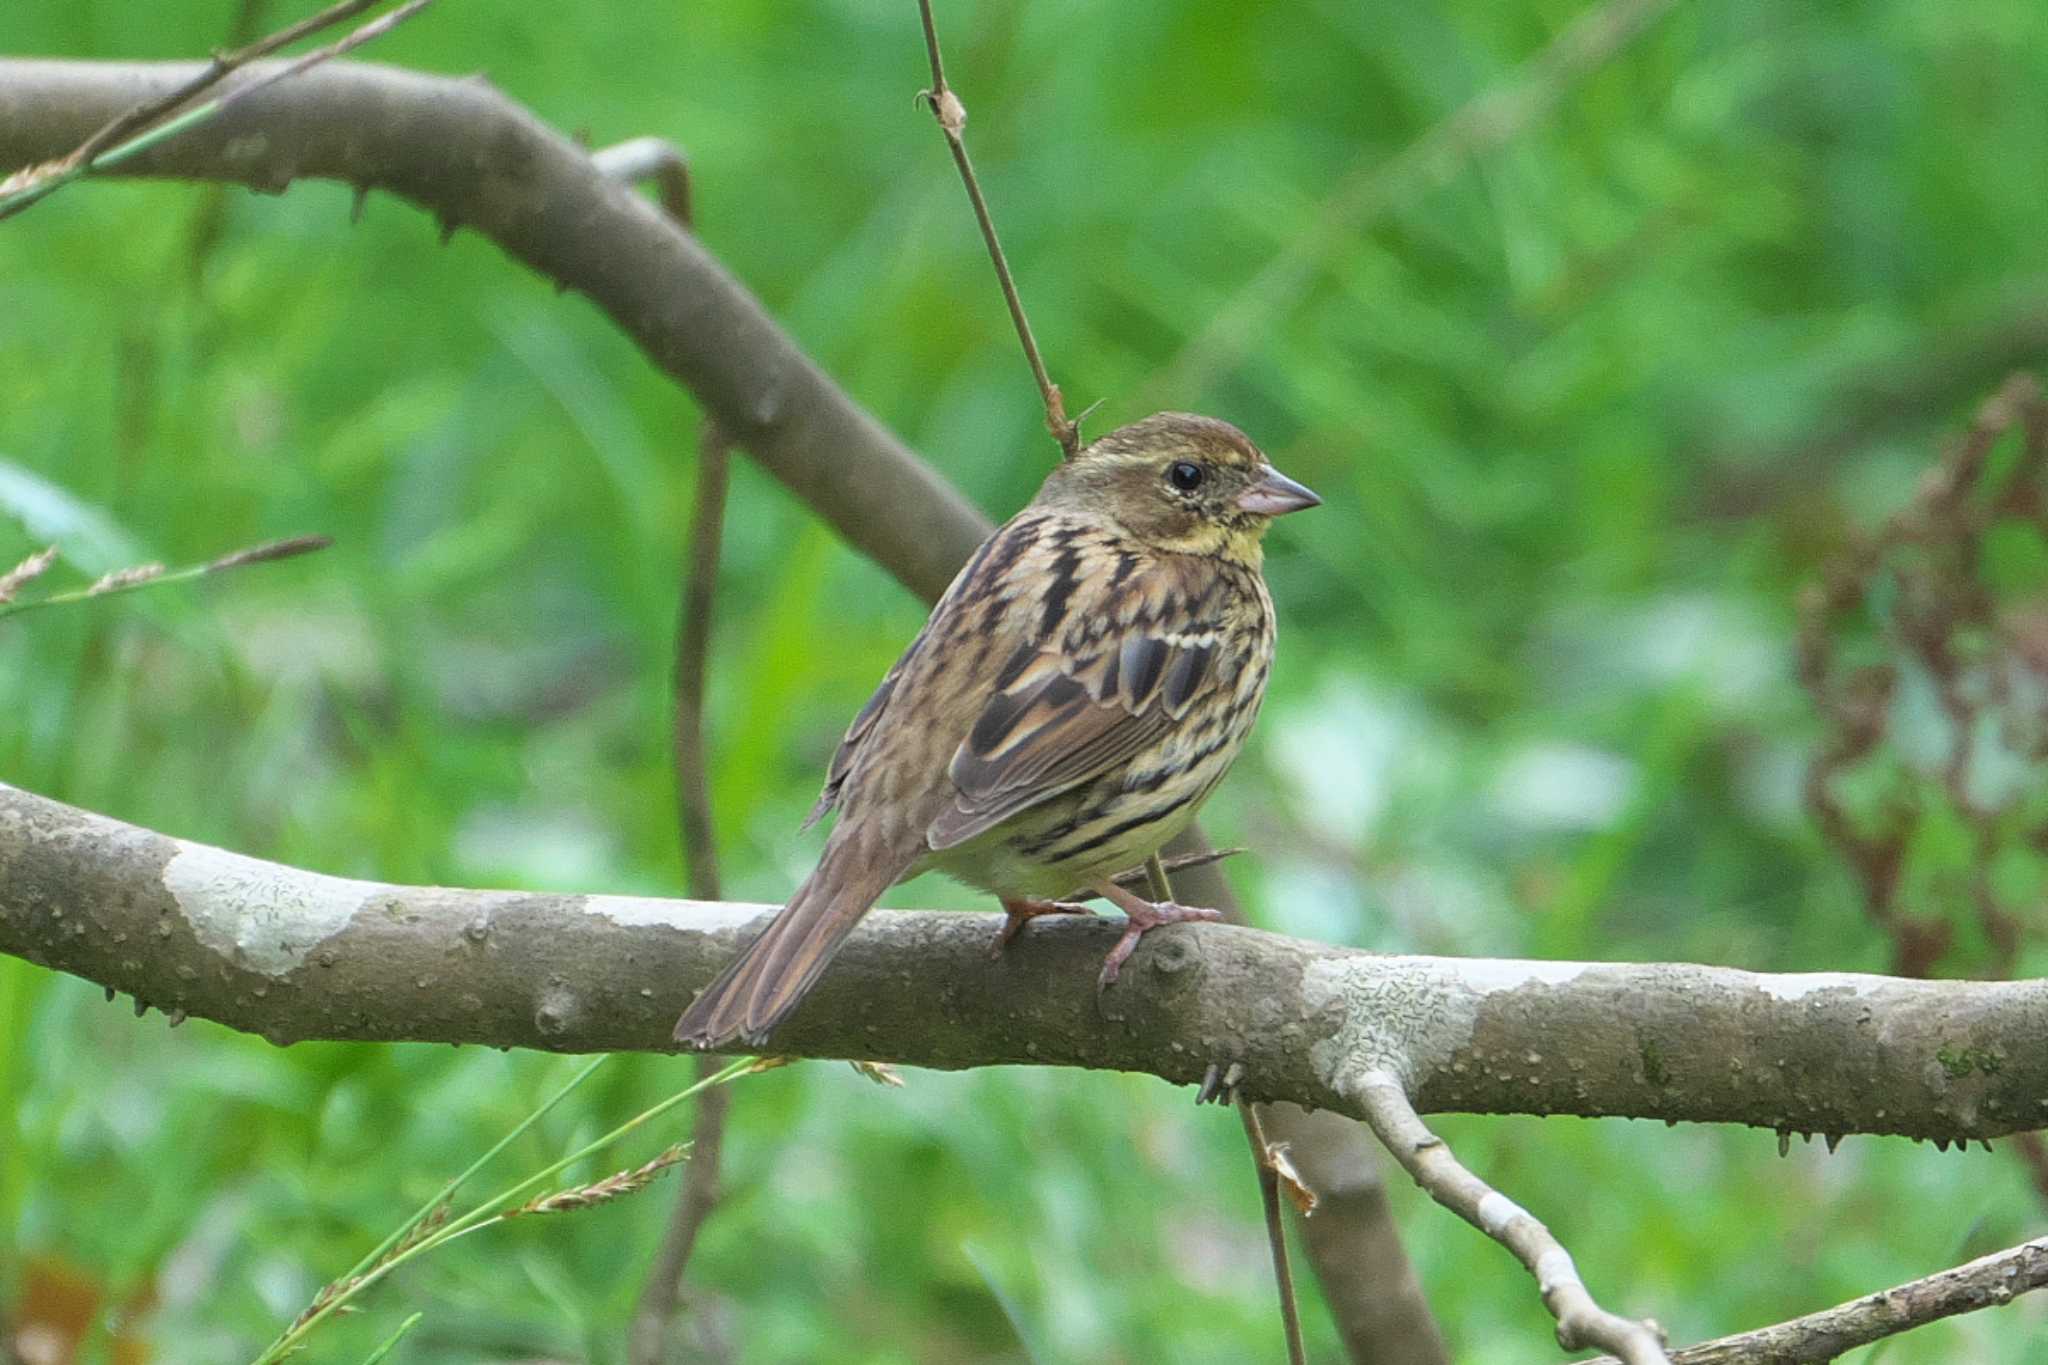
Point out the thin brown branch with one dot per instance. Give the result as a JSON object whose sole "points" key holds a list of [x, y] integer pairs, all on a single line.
{"points": [[1353, 1243], [1264, 1159], [1987, 1282], [693, 647], [951, 115], [701, 1188], [644, 158], [1491, 119], [1355, 1248], [1581, 1322], [701, 1192], [1161, 888]]}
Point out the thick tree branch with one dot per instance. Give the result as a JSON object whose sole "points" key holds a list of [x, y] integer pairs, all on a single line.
{"points": [[293, 955], [474, 159]]}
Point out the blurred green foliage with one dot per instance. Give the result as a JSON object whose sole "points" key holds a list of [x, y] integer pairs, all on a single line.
{"points": [[1584, 420]]}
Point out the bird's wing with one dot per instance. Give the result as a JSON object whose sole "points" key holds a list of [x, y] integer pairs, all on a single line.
{"points": [[1061, 717], [842, 758]]}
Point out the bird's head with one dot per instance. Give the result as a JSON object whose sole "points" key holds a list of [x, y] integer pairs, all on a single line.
{"points": [[1181, 484]]}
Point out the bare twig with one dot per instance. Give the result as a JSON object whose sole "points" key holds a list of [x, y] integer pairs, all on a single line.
{"points": [[1580, 1321], [154, 119], [700, 1195], [1141, 875], [693, 647], [1491, 119], [1987, 1282], [1267, 1162], [952, 119], [656, 159]]}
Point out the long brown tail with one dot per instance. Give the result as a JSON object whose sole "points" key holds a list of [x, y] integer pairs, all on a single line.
{"points": [[772, 974]]}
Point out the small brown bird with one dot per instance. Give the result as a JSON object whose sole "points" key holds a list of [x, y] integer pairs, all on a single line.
{"points": [[1077, 693]]}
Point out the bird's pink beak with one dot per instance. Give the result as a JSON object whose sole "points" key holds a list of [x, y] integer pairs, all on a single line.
{"points": [[1275, 495]]}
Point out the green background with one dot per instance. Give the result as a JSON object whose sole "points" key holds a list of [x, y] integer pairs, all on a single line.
{"points": [[1585, 417]]}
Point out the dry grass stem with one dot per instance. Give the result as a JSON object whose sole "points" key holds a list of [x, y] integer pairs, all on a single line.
{"points": [[153, 120], [125, 578], [269, 552], [612, 1187], [142, 575], [881, 1073], [26, 572]]}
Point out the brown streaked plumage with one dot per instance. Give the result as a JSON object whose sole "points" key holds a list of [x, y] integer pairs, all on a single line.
{"points": [[1077, 693]]}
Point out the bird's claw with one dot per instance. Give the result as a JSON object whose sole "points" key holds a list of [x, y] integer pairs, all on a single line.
{"points": [[1021, 911], [1143, 917]]}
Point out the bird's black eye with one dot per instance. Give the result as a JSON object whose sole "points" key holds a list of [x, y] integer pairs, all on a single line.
{"points": [[1185, 475]]}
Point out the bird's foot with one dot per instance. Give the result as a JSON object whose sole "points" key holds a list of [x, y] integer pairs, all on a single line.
{"points": [[1142, 916], [1019, 911]]}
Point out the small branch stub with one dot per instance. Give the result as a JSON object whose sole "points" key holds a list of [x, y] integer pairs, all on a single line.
{"points": [[949, 111]]}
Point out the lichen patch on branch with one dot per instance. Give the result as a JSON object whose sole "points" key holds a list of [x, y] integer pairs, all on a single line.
{"points": [[639, 912], [259, 915], [1793, 987], [1414, 1017]]}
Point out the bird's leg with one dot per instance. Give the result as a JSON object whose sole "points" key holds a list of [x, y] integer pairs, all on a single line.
{"points": [[1143, 915], [1019, 911]]}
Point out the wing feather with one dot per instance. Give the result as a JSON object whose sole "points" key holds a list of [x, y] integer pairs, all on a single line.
{"points": [[1063, 722], [864, 721]]}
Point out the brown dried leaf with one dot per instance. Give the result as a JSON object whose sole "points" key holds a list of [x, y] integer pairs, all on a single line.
{"points": [[1298, 1193]]}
